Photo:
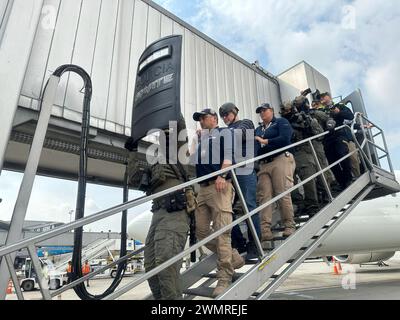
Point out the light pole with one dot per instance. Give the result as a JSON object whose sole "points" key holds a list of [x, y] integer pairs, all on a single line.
{"points": [[70, 215]]}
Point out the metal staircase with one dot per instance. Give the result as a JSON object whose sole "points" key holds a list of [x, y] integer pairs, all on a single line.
{"points": [[260, 277], [287, 254]]}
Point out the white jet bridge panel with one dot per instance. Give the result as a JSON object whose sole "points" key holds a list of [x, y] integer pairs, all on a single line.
{"points": [[300, 77], [5, 6], [3, 10], [106, 38]]}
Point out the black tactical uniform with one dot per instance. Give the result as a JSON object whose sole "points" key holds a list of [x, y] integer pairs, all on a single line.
{"points": [[336, 146], [170, 223], [322, 116], [304, 127]]}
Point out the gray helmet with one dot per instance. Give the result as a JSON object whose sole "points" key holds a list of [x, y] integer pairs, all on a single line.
{"points": [[226, 108]]}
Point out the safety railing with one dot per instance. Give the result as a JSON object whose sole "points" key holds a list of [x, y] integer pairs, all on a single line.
{"points": [[370, 153], [31, 242]]}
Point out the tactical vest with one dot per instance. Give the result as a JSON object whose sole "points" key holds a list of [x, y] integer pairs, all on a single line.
{"points": [[303, 131]]}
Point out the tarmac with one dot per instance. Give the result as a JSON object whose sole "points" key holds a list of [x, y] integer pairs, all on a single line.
{"points": [[313, 280]]}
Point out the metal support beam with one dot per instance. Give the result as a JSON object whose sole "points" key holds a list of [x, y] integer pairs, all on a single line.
{"points": [[14, 277], [15, 48], [21, 205], [43, 282]]}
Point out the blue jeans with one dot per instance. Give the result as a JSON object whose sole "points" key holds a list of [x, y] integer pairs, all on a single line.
{"points": [[248, 185]]}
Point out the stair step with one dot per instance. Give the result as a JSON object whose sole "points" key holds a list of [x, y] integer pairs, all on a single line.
{"points": [[280, 238], [213, 275], [200, 291], [299, 220], [280, 229]]}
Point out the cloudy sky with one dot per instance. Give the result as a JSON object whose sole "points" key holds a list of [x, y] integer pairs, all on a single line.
{"points": [[354, 43]]}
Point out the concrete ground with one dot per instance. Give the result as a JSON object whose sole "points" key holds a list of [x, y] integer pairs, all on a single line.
{"points": [[317, 281], [313, 280]]}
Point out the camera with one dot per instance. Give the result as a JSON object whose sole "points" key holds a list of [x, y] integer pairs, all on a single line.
{"points": [[306, 92]]}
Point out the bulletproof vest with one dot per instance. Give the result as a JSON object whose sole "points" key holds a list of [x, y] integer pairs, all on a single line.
{"points": [[168, 175], [162, 177], [303, 128], [321, 117]]}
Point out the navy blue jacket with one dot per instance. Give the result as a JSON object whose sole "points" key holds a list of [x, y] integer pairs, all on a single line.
{"points": [[279, 135], [213, 149], [344, 116]]}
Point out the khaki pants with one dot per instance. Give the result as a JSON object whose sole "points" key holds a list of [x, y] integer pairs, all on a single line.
{"points": [[273, 179], [354, 159], [216, 207]]}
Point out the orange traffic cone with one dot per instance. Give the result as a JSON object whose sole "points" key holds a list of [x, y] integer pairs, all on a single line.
{"points": [[335, 267], [9, 287]]}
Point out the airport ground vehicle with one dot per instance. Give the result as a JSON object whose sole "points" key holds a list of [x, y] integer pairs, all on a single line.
{"points": [[135, 265], [29, 282]]}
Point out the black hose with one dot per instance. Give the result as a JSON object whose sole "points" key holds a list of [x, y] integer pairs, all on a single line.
{"points": [[80, 289]]}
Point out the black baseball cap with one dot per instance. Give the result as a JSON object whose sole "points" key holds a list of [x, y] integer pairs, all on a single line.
{"points": [[324, 95], [264, 106], [204, 112]]}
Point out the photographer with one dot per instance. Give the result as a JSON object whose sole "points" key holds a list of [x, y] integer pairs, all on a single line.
{"points": [[322, 115], [336, 144], [297, 113]]}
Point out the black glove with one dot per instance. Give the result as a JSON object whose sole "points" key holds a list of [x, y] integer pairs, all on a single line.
{"points": [[330, 125], [130, 145]]}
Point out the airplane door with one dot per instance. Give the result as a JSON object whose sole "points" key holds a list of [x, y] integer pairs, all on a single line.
{"points": [[157, 90], [355, 102]]}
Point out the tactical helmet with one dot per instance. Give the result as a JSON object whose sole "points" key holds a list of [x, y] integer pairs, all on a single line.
{"points": [[300, 100], [226, 108], [302, 104], [286, 107]]}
